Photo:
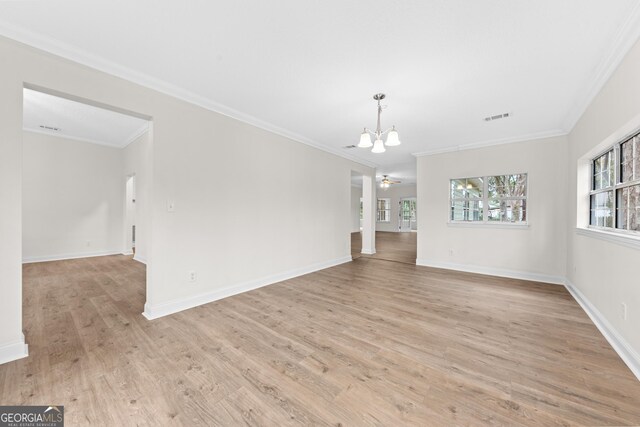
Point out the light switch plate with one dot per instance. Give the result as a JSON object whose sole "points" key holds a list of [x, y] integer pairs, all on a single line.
{"points": [[171, 206]]}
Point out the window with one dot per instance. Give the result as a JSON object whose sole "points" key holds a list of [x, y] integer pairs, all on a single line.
{"points": [[615, 187], [489, 199], [384, 210]]}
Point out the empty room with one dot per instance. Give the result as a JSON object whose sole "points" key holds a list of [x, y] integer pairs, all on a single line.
{"points": [[356, 213]]}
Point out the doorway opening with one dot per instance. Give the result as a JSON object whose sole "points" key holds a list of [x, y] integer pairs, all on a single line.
{"points": [[130, 216], [356, 215], [85, 204]]}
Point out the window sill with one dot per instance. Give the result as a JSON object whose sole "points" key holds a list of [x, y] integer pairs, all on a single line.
{"points": [[610, 236], [478, 224]]}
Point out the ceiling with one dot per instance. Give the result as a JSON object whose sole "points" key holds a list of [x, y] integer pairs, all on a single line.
{"points": [[53, 115], [309, 69]]}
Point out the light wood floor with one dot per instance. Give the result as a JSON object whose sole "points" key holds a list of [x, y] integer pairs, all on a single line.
{"points": [[399, 247], [369, 342]]}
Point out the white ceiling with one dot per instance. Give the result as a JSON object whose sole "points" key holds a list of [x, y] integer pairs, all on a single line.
{"points": [[76, 120], [308, 69]]}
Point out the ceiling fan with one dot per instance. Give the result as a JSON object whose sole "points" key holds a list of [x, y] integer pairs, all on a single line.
{"points": [[386, 182]]}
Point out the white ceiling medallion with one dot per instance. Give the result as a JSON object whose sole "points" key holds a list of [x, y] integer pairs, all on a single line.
{"points": [[379, 145]]}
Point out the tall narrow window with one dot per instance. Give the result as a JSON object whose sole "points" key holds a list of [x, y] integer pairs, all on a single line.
{"points": [[384, 210], [602, 190]]}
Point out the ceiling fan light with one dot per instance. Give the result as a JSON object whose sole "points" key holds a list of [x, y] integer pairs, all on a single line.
{"points": [[392, 138], [365, 140], [378, 147]]}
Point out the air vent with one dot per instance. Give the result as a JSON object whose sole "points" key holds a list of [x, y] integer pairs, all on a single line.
{"points": [[496, 117], [53, 128], [347, 147]]}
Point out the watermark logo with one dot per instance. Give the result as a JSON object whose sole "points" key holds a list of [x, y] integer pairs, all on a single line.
{"points": [[32, 416]]}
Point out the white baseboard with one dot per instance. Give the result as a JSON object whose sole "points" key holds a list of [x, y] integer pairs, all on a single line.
{"points": [[76, 255], [138, 258], [627, 353], [14, 351], [129, 253], [514, 274], [367, 252], [159, 310]]}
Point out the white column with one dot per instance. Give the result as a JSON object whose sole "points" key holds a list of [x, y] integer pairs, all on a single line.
{"points": [[369, 214]]}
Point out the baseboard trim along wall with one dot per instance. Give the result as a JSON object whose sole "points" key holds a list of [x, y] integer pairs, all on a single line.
{"points": [[155, 311], [514, 274], [138, 258], [14, 351], [60, 257], [628, 355], [617, 342]]}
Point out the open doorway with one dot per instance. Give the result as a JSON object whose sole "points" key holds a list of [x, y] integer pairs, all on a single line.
{"points": [[408, 214], [356, 214], [396, 221], [130, 216], [85, 198]]}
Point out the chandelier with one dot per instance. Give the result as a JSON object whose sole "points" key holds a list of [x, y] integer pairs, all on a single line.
{"points": [[379, 145]]}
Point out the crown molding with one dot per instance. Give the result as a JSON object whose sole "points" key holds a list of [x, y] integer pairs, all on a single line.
{"points": [[492, 142], [71, 53], [625, 39]]}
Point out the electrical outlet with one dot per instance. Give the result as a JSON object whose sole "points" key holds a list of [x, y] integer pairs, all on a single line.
{"points": [[88, 243], [450, 252], [192, 276], [623, 311], [171, 206]]}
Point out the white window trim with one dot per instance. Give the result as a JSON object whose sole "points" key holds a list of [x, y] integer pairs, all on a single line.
{"points": [[617, 237], [485, 223]]}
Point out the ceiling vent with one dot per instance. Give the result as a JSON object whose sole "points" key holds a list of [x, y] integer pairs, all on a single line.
{"points": [[55, 129], [496, 117]]}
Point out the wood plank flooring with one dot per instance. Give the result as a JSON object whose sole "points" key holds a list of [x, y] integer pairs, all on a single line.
{"points": [[369, 342], [399, 247]]}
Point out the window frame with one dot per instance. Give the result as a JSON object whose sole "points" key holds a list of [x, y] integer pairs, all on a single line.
{"points": [[616, 148], [485, 222], [387, 210]]}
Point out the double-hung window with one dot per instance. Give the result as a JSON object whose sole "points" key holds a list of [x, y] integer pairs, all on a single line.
{"points": [[615, 187]]}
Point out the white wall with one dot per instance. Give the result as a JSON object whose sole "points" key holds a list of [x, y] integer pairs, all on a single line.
{"points": [[356, 195], [233, 186], [395, 193], [537, 251], [12, 344], [138, 161], [72, 198], [606, 272]]}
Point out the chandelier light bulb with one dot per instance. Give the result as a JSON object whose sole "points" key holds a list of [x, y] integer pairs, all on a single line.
{"points": [[392, 138], [365, 140], [378, 147]]}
